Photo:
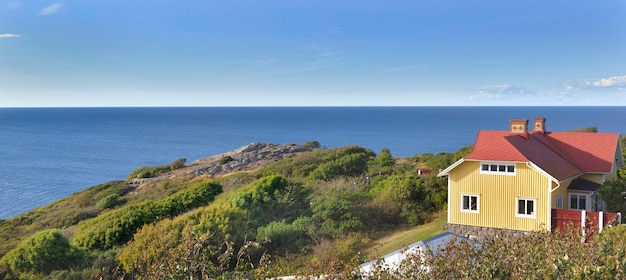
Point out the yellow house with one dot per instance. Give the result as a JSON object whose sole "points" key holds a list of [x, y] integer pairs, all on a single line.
{"points": [[513, 179]]}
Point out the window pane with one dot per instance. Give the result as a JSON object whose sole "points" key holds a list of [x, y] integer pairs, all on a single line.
{"points": [[520, 206], [485, 167], [494, 167], [582, 202], [465, 202], [501, 168], [530, 207], [511, 168], [474, 204], [573, 202]]}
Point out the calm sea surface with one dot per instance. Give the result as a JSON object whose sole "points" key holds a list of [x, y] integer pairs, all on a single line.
{"points": [[47, 154]]}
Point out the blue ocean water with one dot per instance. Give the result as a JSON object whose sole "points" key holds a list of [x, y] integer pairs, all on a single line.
{"points": [[47, 154]]}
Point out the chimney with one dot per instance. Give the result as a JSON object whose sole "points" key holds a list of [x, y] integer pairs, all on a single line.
{"points": [[540, 125], [519, 126]]}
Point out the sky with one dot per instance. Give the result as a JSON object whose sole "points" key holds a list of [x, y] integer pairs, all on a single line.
{"points": [[97, 53]]}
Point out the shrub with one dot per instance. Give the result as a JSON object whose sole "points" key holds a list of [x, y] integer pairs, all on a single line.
{"points": [[117, 227], [226, 159], [347, 165], [312, 145], [282, 237], [42, 253], [153, 171], [202, 245], [108, 201]]}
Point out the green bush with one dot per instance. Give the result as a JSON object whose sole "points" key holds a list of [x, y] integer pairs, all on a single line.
{"points": [[333, 216], [347, 165], [153, 171], [109, 201], [202, 245], [117, 227], [283, 237], [43, 253], [226, 159], [312, 145]]}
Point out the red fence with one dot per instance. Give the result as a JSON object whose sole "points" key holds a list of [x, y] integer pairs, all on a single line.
{"points": [[593, 221]]}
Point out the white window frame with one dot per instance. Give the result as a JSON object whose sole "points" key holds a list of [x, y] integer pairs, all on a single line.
{"points": [[587, 202], [559, 202], [477, 211], [499, 165], [534, 212]]}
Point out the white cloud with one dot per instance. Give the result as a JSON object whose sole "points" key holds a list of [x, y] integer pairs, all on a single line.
{"points": [[615, 82], [2, 36], [52, 9], [499, 91]]}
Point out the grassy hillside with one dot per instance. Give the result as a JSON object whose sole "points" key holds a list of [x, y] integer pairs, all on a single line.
{"points": [[296, 215]]}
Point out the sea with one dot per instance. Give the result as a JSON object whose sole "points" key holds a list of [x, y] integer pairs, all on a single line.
{"points": [[49, 153]]}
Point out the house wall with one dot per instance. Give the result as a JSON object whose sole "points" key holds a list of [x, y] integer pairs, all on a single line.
{"points": [[498, 195], [617, 163], [596, 178], [561, 190]]}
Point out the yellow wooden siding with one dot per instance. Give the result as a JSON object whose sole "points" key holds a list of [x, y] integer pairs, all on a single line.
{"points": [[560, 190], [596, 178], [498, 195]]}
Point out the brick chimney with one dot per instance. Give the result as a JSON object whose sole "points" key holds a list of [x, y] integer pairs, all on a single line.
{"points": [[540, 125], [519, 126]]}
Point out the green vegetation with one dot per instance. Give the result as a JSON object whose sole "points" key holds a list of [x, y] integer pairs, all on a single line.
{"points": [[153, 171], [320, 212], [41, 254], [585, 129], [537, 255], [117, 227]]}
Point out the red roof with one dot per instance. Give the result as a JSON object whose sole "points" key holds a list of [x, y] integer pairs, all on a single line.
{"points": [[561, 154]]}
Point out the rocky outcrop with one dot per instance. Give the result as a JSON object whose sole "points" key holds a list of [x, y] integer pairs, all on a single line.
{"points": [[247, 158]]}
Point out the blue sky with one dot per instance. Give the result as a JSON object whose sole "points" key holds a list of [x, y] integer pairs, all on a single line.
{"points": [[312, 53]]}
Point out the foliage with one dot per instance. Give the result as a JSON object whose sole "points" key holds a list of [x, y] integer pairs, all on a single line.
{"points": [[226, 159], [443, 160], [314, 210], [403, 196], [585, 129], [384, 158], [206, 243], [281, 237], [117, 227], [312, 145], [613, 192], [537, 255], [347, 165], [261, 199], [153, 171], [333, 216], [42, 253]]}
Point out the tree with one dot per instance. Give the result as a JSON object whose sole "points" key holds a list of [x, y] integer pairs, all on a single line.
{"points": [[384, 158], [42, 253], [613, 192]]}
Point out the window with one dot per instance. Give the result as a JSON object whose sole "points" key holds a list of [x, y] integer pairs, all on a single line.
{"points": [[526, 208], [470, 203], [501, 168], [559, 202], [578, 201]]}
